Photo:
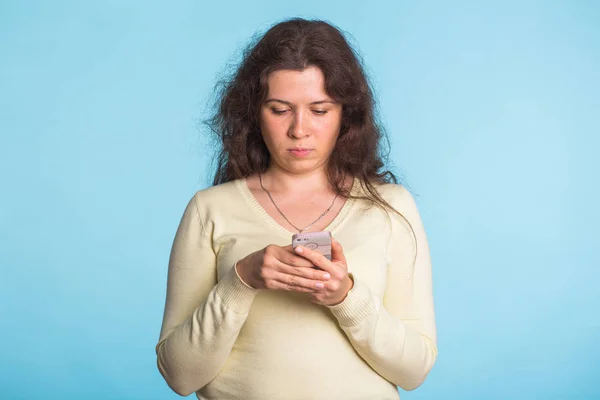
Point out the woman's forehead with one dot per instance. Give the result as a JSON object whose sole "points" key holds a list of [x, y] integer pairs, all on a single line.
{"points": [[307, 86]]}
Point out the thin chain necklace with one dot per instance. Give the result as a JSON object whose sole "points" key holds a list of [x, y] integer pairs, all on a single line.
{"points": [[283, 215]]}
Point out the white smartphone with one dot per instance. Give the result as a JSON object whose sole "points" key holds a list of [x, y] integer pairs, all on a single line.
{"points": [[318, 241]]}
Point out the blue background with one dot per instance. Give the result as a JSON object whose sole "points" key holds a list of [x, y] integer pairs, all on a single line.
{"points": [[492, 108]]}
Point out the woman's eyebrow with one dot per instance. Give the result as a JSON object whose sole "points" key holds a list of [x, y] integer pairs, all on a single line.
{"points": [[290, 104]]}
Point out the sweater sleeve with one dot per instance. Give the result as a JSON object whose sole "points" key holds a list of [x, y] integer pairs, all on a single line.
{"points": [[202, 317], [396, 335]]}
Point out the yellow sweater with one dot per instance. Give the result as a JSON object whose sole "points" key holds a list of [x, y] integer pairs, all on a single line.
{"points": [[225, 340]]}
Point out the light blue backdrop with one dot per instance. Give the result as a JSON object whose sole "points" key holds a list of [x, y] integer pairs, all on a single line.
{"points": [[493, 112]]}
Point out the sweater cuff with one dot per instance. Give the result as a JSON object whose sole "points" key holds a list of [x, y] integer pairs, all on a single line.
{"points": [[357, 305], [234, 293]]}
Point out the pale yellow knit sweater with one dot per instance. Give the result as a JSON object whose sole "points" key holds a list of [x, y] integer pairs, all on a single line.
{"points": [[224, 340]]}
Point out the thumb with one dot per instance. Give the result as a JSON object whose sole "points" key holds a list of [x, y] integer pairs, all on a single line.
{"points": [[337, 253]]}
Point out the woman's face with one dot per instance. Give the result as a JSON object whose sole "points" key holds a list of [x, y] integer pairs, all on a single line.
{"points": [[299, 122]]}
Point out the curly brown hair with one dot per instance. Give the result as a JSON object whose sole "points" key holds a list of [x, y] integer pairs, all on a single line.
{"points": [[297, 44]]}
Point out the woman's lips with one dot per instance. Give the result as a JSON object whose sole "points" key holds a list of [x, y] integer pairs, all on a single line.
{"points": [[300, 152]]}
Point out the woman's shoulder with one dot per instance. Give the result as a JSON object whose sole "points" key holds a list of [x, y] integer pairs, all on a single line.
{"points": [[398, 196], [401, 199], [218, 195], [392, 192]]}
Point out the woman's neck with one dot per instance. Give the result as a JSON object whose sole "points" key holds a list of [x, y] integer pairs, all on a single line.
{"points": [[281, 181]]}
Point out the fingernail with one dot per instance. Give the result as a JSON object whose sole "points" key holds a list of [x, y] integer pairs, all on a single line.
{"points": [[319, 285], [299, 250], [326, 276]]}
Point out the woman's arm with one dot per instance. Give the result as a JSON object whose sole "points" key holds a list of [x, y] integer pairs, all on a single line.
{"points": [[396, 335], [202, 318]]}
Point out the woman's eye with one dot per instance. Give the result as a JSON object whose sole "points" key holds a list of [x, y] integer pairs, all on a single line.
{"points": [[278, 111], [320, 112]]}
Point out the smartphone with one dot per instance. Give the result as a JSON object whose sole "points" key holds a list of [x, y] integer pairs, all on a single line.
{"points": [[318, 241]]}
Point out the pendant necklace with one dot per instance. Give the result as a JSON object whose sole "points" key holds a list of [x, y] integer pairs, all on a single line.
{"points": [[283, 215]]}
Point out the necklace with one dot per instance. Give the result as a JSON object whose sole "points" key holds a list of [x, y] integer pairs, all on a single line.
{"points": [[283, 215]]}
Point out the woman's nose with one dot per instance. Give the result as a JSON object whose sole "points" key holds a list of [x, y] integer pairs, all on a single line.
{"points": [[298, 128]]}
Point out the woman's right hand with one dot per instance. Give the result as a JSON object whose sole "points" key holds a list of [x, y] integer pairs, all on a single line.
{"points": [[279, 268]]}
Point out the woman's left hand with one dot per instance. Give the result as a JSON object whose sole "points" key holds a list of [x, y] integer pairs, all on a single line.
{"points": [[337, 287]]}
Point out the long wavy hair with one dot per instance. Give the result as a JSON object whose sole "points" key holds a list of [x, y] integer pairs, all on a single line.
{"points": [[297, 44]]}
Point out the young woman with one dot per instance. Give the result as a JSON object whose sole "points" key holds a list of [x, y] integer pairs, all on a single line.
{"points": [[249, 317]]}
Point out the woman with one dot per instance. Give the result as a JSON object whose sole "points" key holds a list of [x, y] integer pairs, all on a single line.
{"points": [[247, 316]]}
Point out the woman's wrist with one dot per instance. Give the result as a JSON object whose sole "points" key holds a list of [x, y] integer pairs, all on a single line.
{"points": [[240, 271], [348, 284]]}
